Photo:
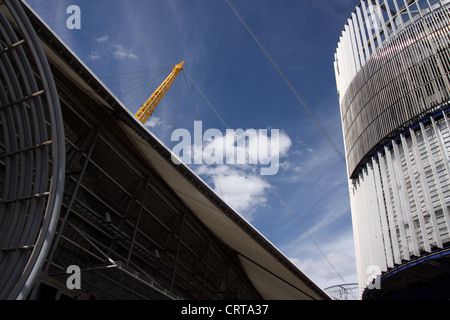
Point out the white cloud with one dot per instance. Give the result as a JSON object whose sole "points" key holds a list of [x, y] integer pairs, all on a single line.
{"points": [[120, 52], [239, 188], [112, 49], [95, 56], [337, 268], [254, 147], [153, 122], [321, 272], [104, 38], [237, 182], [321, 205]]}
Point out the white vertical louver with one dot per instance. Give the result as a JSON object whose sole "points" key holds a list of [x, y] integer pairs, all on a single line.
{"points": [[371, 25], [401, 199], [392, 69]]}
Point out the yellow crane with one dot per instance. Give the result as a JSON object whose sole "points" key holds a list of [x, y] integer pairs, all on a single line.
{"points": [[149, 106]]}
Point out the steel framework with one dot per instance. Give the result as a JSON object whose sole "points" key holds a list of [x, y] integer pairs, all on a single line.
{"points": [[121, 224], [348, 291]]}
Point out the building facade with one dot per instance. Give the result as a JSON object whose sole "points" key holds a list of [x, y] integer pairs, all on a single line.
{"points": [[392, 69]]}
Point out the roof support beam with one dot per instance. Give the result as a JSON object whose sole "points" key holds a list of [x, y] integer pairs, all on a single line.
{"points": [[90, 140]]}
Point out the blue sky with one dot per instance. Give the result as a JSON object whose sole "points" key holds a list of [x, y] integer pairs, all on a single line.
{"points": [[120, 39]]}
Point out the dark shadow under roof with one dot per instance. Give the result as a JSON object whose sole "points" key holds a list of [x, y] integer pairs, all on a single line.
{"points": [[271, 273]]}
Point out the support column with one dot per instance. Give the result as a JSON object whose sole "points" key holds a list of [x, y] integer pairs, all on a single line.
{"points": [[178, 252], [92, 138], [147, 181]]}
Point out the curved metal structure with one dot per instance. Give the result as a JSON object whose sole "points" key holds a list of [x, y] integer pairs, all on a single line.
{"points": [[392, 70], [32, 153], [347, 291]]}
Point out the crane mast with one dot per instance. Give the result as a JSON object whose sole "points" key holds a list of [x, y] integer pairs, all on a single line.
{"points": [[149, 106]]}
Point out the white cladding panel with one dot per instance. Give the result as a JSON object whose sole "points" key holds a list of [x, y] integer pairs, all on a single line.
{"points": [[392, 67], [371, 25], [401, 199]]}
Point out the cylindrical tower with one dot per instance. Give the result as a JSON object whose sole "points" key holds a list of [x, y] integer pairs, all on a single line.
{"points": [[392, 70]]}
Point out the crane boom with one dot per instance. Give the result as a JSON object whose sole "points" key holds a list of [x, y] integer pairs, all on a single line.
{"points": [[149, 106]]}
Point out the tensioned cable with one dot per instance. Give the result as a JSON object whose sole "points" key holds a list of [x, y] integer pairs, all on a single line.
{"points": [[54, 13], [148, 77], [90, 32], [208, 102], [190, 94], [288, 82], [198, 117], [135, 85], [133, 76], [283, 75], [146, 71], [176, 105], [283, 202], [311, 114]]}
